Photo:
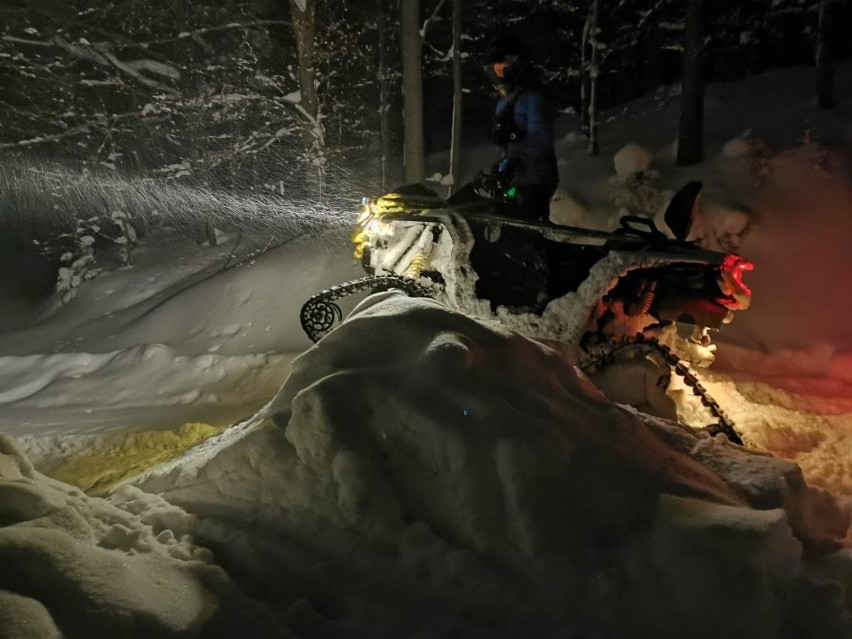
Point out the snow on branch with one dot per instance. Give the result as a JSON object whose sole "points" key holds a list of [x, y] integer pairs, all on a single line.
{"points": [[152, 66], [80, 129], [96, 55], [196, 35]]}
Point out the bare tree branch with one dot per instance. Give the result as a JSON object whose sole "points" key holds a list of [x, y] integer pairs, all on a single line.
{"points": [[105, 58], [198, 32], [80, 129], [38, 43], [152, 66], [430, 19]]}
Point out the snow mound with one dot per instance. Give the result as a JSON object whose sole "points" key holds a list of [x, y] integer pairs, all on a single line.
{"points": [[567, 210], [721, 227], [737, 147], [631, 159], [76, 566], [454, 472]]}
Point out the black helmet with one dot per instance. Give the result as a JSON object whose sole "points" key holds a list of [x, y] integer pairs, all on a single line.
{"points": [[506, 62], [501, 48]]}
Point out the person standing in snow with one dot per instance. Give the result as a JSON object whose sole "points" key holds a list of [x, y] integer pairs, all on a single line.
{"points": [[523, 127]]}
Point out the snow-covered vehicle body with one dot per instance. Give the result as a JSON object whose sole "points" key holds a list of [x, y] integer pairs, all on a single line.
{"points": [[542, 279]]}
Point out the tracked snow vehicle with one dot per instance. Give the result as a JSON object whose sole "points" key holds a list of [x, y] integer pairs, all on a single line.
{"points": [[546, 280], [598, 289]]}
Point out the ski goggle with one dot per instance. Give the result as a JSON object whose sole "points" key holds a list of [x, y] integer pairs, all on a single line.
{"points": [[500, 69]]}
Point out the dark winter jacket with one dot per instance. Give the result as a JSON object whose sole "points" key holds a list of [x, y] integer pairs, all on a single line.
{"points": [[531, 156]]}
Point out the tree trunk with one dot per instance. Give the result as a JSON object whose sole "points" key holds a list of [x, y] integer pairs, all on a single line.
{"points": [[691, 137], [594, 30], [384, 90], [455, 143], [303, 17], [412, 88], [824, 58], [584, 81]]}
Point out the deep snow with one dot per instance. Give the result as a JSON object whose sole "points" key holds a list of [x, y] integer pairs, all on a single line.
{"points": [[424, 474]]}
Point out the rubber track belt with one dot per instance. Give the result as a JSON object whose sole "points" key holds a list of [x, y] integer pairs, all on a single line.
{"points": [[607, 356], [319, 314]]}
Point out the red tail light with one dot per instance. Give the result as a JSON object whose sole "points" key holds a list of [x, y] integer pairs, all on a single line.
{"points": [[735, 294]]}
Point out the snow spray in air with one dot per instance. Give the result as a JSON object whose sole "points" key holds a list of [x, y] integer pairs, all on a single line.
{"points": [[39, 200]]}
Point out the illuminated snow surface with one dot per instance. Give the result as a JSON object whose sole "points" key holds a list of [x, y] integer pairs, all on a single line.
{"points": [[420, 473]]}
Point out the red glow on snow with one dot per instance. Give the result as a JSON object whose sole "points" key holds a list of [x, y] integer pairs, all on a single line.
{"points": [[737, 295]]}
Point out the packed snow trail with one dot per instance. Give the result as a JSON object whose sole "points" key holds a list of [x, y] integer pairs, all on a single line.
{"points": [[178, 337]]}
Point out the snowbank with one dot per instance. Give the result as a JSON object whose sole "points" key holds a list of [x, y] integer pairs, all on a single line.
{"points": [[75, 566], [231, 299], [186, 334], [456, 476]]}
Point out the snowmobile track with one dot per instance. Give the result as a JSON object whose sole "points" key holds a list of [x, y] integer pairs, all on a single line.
{"points": [[608, 355], [319, 314]]}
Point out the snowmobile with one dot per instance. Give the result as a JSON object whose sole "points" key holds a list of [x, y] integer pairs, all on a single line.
{"points": [[602, 290], [474, 254]]}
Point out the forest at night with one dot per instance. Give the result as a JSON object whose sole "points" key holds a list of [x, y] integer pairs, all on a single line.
{"points": [[425, 318]]}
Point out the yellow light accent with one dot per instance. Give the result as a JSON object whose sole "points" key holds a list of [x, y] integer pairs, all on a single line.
{"points": [[420, 261], [121, 456], [374, 212], [359, 234], [360, 244]]}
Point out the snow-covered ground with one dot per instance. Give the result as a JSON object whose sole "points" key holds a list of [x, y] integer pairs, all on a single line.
{"points": [[420, 473]]}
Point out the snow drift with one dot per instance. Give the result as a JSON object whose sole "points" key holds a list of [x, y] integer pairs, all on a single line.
{"points": [[75, 566], [456, 476]]}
